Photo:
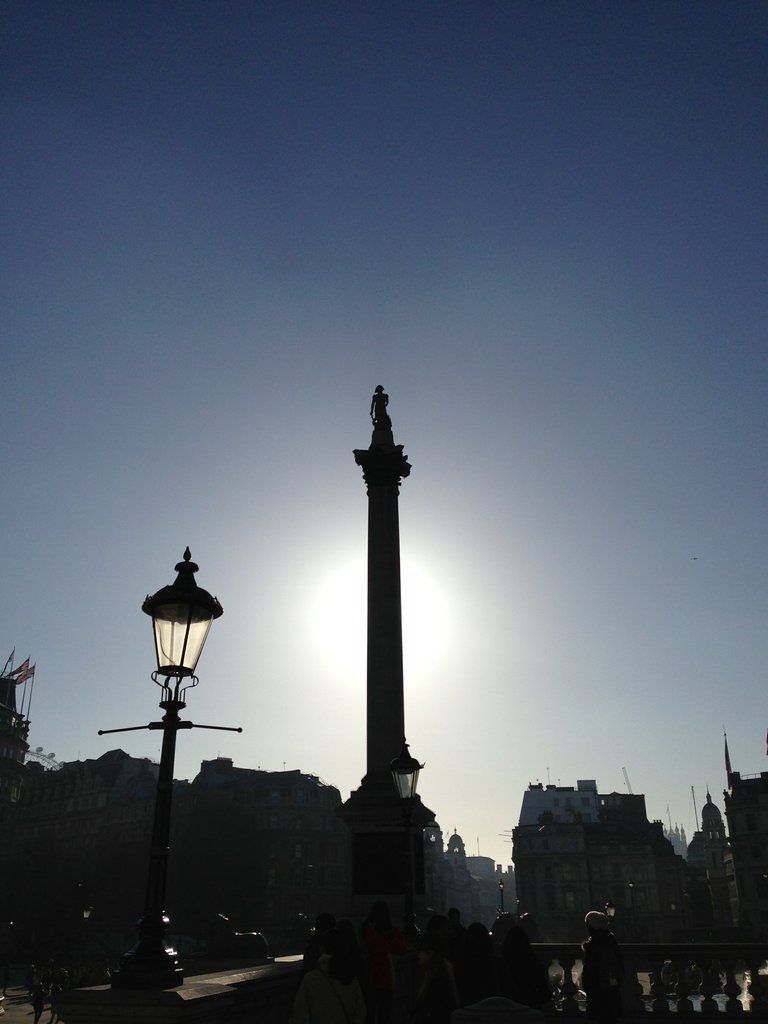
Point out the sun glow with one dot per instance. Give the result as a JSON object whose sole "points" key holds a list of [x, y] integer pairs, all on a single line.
{"points": [[338, 626]]}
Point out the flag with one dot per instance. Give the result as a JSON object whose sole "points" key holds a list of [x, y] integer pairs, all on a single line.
{"points": [[727, 760], [28, 673], [23, 667], [9, 663]]}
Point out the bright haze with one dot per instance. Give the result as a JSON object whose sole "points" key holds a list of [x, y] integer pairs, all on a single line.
{"points": [[542, 228]]}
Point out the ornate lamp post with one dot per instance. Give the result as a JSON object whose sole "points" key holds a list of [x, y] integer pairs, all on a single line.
{"points": [[501, 895], [182, 614], [405, 773]]}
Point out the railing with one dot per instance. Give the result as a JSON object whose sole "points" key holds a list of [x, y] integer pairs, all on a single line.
{"points": [[712, 980]]}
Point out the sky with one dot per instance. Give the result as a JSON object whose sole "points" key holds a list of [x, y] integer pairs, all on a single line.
{"points": [[541, 226]]}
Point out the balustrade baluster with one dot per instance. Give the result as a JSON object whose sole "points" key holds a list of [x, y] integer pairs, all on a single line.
{"points": [[554, 974], [660, 987], [684, 986], [569, 989], [710, 983], [632, 990], [758, 987], [731, 988]]}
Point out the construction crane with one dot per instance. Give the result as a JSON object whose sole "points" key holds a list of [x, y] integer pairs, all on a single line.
{"points": [[626, 779]]}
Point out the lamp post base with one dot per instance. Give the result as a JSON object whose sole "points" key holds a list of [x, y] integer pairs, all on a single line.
{"points": [[150, 964]]}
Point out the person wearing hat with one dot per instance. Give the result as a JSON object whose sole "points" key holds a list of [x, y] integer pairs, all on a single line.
{"points": [[603, 974]]}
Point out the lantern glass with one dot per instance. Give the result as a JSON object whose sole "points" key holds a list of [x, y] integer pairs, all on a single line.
{"points": [[406, 781], [405, 773], [180, 634]]}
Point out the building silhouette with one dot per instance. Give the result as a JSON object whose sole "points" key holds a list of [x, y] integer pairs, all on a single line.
{"points": [[746, 811], [716, 862], [265, 850], [677, 837], [575, 849], [708, 872], [468, 883], [14, 729]]}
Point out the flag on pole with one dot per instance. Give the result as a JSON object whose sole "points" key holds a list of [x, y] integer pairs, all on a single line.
{"points": [[9, 663], [727, 760], [22, 668], [28, 673]]}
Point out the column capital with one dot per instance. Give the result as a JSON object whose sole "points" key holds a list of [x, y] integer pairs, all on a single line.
{"points": [[382, 465]]}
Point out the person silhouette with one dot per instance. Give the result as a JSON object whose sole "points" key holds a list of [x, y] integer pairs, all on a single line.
{"points": [[603, 974], [330, 993], [380, 942], [524, 977]]}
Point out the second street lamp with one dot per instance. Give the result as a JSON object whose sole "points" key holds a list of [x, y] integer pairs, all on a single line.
{"points": [[181, 617], [405, 774], [609, 908]]}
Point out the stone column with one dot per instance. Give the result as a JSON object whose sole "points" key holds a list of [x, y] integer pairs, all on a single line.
{"points": [[373, 812], [383, 468]]}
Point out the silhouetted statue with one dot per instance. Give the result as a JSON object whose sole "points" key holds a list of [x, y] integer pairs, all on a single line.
{"points": [[379, 403]]}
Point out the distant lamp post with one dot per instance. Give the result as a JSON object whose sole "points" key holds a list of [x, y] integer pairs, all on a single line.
{"points": [[405, 774], [501, 895], [631, 887], [182, 614]]}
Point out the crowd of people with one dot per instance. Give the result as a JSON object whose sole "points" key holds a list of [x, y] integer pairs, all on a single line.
{"points": [[349, 975], [45, 981]]}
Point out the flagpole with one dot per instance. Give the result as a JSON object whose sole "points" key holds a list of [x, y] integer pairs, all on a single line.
{"points": [[31, 691]]}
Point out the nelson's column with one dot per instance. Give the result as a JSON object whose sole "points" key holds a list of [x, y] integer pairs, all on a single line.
{"points": [[384, 864]]}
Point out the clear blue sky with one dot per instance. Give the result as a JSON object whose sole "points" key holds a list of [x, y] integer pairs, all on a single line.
{"points": [[542, 227]]}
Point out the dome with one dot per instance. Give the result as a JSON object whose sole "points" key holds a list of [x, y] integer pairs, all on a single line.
{"points": [[456, 845], [710, 815]]}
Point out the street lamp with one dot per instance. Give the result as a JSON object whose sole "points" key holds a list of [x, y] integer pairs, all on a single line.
{"points": [[631, 887], [501, 895], [182, 614], [610, 912], [405, 774]]}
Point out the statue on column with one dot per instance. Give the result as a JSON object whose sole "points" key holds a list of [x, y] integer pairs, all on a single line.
{"points": [[379, 415]]}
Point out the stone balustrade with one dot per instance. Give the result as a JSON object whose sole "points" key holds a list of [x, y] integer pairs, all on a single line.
{"points": [[687, 980]]}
